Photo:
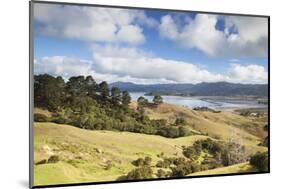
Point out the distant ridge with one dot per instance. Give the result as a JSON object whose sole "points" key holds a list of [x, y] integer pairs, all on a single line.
{"points": [[200, 89]]}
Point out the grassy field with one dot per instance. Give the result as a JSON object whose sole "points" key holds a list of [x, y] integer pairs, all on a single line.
{"points": [[238, 168], [84, 155]]}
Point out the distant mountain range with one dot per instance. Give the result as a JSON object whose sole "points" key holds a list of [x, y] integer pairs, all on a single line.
{"points": [[201, 89]]}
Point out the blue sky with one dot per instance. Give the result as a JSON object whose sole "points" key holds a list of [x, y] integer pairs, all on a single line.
{"points": [[195, 47]]}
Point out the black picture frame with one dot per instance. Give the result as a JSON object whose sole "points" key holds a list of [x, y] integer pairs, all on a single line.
{"points": [[31, 99]]}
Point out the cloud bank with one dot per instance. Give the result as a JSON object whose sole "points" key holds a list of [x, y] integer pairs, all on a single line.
{"points": [[115, 35], [114, 63]]}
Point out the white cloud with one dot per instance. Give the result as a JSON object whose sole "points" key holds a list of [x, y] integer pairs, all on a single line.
{"points": [[250, 38], [114, 63], [62, 66], [132, 62], [92, 23], [243, 74]]}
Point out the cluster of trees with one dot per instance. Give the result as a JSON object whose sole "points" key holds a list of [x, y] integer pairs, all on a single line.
{"points": [[222, 154], [214, 154], [84, 103], [179, 167], [143, 102], [54, 93]]}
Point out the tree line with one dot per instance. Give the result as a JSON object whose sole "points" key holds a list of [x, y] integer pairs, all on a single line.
{"points": [[82, 102]]}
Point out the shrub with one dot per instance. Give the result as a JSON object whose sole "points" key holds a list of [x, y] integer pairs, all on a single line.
{"points": [[165, 163], [142, 162], [161, 173], [140, 173], [232, 153], [44, 161], [180, 121], [260, 161], [138, 162], [190, 153], [147, 161], [183, 131], [40, 118], [53, 159]]}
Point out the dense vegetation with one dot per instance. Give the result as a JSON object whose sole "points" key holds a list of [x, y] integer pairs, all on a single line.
{"points": [[212, 154], [260, 161], [89, 105]]}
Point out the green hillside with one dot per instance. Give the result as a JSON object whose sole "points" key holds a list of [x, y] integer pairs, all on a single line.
{"points": [[238, 168], [84, 154]]}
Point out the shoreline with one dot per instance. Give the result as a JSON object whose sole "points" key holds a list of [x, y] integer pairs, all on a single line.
{"points": [[224, 109]]}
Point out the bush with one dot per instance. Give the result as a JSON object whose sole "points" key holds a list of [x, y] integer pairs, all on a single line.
{"points": [[53, 159], [161, 173], [140, 173], [260, 161], [142, 162], [44, 161], [139, 162], [183, 131], [180, 121], [147, 161], [40, 118], [190, 153]]}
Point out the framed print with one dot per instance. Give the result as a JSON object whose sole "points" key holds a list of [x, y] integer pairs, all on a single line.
{"points": [[126, 94]]}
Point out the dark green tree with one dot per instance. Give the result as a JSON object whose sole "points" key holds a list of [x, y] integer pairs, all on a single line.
{"points": [[104, 90], [126, 99], [157, 99], [49, 92], [142, 102], [76, 86], [115, 95], [260, 161], [91, 86]]}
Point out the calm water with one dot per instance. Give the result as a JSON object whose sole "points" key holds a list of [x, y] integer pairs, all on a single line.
{"points": [[192, 102]]}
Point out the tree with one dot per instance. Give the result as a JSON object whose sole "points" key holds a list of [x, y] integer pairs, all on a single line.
{"points": [[115, 95], [157, 99], [91, 86], [142, 101], [49, 92], [103, 87], [126, 99], [76, 86]]}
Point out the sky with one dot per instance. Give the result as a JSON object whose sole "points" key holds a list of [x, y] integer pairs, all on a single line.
{"points": [[149, 46]]}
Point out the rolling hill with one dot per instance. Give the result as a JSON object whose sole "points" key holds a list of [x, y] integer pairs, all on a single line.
{"points": [[84, 155], [200, 89]]}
